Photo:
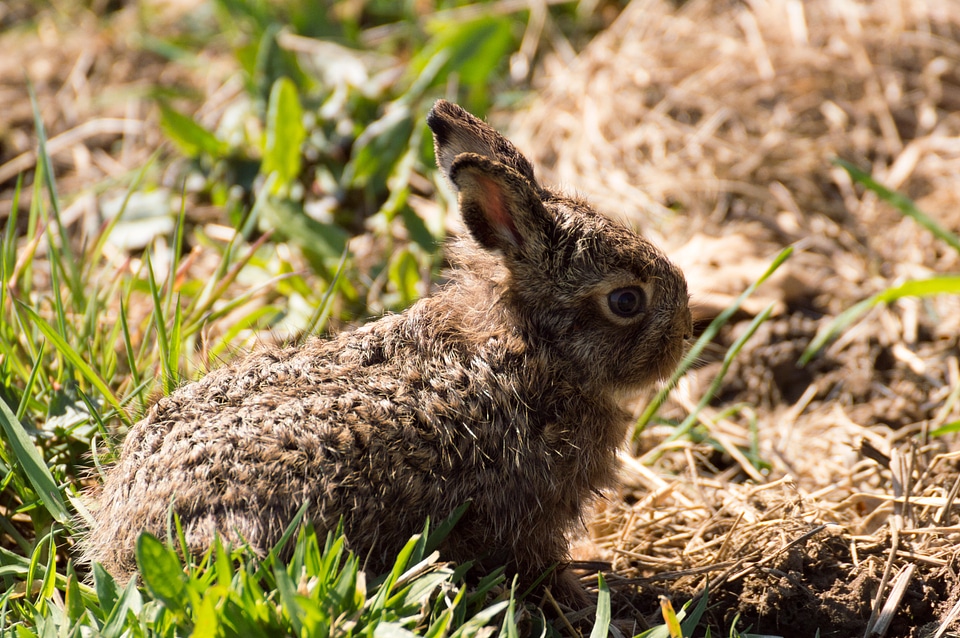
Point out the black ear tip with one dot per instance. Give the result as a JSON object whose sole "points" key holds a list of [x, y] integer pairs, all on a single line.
{"points": [[438, 122], [443, 115]]}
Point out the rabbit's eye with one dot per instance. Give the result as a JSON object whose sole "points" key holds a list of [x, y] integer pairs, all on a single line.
{"points": [[627, 302]]}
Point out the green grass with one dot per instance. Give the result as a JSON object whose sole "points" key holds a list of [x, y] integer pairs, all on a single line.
{"points": [[937, 285]]}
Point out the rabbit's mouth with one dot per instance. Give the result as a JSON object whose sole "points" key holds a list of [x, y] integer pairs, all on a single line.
{"points": [[673, 348]]}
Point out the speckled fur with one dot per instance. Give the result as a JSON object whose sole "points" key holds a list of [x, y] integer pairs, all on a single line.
{"points": [[502, 389]]}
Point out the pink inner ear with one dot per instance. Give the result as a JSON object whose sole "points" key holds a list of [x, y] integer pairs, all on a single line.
{"points": [[497, 211]]}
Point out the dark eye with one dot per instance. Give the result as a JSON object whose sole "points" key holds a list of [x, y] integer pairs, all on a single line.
{"points": [[627, 302]]}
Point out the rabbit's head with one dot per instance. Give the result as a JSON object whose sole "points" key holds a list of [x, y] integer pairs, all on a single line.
{"points": [[595, 297]]}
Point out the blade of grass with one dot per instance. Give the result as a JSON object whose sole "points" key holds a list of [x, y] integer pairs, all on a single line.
{"points": [[93, 256], [28, 388], [220, 279], [176, 343], [322, 313], [232, 305], [689, 624], [9, 239], [943, 285], [728, 358], [117, 621], [163, 342], [441, 623], [694, 354], [601, 625], [229, 338], [473, 626], [670, 618], [946, 428], [71, 355], [177, 248], [33, 465], [509, 627], [45, 166], [101, 428], [49, 575], [128, 347], [63, 371], [224, 276], [901, 202]]}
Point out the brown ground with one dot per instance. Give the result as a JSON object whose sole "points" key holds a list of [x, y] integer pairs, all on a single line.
{"points": [[713, 126]]}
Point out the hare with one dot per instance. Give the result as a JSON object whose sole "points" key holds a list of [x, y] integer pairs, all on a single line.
{"points": [[504, 389]]}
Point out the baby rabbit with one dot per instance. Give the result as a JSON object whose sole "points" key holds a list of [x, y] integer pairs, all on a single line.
{"points": [[503, 389]]}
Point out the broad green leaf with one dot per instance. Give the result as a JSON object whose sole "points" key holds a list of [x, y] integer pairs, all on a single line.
{"points": [[288, 599], [222, 563], [33, 465], [161, 572], [473, 50], [207, 620], [74, 603], [418, 230], [106, 588], [323, 244], [192, 139], [285, 133], [379, 147]]}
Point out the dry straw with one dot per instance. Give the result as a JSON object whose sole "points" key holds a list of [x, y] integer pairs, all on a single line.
{"points": [[714, 124]]}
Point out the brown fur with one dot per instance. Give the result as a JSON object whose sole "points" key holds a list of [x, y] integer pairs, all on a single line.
{"points": [[503, 389]]}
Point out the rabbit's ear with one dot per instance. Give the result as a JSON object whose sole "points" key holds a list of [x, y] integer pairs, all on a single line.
{"points": [[500, 207], [455, 131]]}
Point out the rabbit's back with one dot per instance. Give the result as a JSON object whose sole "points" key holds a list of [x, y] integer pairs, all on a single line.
{"points": [[383, 426]]}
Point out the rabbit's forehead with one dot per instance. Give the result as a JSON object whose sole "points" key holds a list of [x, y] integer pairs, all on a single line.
{"points": [[606, 251], [618, 253]]}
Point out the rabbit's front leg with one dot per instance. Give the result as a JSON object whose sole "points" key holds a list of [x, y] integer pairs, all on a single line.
{"points": [[567, 590]]}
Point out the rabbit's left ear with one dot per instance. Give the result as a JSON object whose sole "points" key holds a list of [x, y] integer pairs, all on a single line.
{"points": [[455, 131], [500, 207]]}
